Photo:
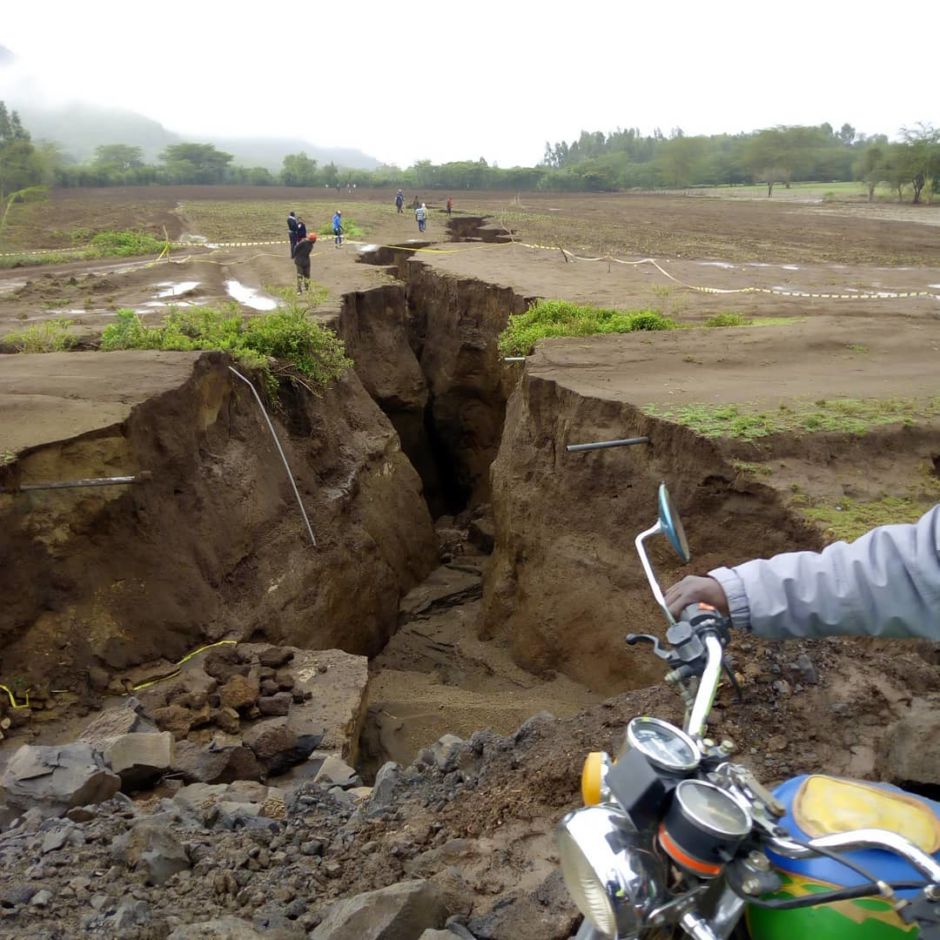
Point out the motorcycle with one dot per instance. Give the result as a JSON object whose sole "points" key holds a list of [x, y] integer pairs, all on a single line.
{"points": [[675, 838]]}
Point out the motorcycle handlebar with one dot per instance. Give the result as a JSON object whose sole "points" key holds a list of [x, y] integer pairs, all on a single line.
{"points": [[707, 687], [863, 839]]}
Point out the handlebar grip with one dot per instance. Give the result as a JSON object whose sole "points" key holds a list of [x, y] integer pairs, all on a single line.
{"points": [[696, 610]]}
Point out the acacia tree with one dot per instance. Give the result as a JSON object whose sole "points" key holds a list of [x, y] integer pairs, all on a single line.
{"points": [[763, 157], [195, 163], [19, 165], [923, 156], [299, 170], [871, 166]]}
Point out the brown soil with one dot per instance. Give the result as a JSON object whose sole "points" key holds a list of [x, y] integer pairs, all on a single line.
{"points": [[562, 585]]}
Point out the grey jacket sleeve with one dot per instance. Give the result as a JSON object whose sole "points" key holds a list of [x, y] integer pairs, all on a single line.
{"points": [[886, 583]]}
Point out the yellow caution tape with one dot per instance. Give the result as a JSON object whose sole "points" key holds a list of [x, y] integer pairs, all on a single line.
{"points": [[12, 698], [177, 669]]}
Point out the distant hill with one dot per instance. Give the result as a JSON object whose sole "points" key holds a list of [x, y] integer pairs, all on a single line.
{"points": [[80, 128]]}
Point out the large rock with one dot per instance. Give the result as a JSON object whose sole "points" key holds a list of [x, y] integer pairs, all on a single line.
{"points": [[910, 751], [223, 928], [140, 759], [57, 778], [152, 846], [403, 910], [216, 763], [126, 718], [336, 683]]}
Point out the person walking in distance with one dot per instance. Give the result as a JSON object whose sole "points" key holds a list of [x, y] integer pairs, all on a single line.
{"points": [[421, 214], [400, 201], [302, 261], [292, 231], [338, 228], [450, 205]]}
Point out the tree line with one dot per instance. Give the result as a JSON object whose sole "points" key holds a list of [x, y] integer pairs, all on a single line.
{"points": [[595, 162]]}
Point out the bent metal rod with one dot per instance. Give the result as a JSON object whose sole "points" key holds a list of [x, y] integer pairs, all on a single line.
{"points": [[143, 477], [598, 445]]}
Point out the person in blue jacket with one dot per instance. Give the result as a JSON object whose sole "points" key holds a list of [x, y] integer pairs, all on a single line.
{"points": [[885, 583], [337, 228]]}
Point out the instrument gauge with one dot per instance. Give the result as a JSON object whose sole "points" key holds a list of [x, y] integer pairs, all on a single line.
{"points": [[663, 745]]}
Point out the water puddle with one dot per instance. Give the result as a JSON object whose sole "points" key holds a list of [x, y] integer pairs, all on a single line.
{"points": [[250, 296], [716, 264], [177, 289]]}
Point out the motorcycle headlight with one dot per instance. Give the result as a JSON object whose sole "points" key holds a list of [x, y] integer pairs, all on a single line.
{"points": [[610, 870]]}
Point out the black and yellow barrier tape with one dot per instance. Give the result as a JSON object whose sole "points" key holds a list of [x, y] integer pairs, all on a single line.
{"points": [[178, 667]]}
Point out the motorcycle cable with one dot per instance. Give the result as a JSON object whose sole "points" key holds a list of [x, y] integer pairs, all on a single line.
{"points": [[844, 894]]}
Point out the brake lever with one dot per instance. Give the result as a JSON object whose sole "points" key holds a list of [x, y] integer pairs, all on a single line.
{"points": [[660, 651]]}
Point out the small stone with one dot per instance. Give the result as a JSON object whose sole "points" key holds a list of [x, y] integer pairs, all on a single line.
{"points": [[41, 898]]}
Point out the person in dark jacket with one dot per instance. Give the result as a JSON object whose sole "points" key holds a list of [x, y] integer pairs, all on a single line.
{"points": [[301, 230], [885, 583], [302, 261], [292, 231]]}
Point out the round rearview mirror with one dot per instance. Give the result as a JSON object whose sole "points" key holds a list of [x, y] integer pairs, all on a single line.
{"points": [[672, 525]]}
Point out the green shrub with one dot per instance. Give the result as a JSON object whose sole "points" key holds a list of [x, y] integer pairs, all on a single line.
{"points": [[288, 335], [728, 318], [50, 336], [124, 244], [560, 318]]}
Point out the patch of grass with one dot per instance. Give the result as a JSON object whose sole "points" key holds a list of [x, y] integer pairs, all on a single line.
{"points": [[849, 518], [841, 415], [728, 318], [857, 348], [103, 245], [46, 337], [559, 318], [288, 335], [755, 469], [350, 230]]}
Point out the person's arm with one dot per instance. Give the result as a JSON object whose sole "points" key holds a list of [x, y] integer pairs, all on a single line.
{"points": [[886, 583]]}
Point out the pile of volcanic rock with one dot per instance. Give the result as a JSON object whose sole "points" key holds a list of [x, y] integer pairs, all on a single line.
{"points": [[246, 712]]}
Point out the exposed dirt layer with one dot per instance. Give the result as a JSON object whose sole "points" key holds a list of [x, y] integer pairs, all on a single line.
{"points": [[214, 545]]}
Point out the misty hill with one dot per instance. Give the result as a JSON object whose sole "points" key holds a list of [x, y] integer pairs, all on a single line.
{"points": [[80, 128]]}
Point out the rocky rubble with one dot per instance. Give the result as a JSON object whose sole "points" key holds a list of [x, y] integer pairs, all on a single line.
{"points": [[456, 844]]}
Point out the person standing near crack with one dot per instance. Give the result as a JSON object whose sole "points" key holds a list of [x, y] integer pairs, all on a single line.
{"points": [[292, 231], [338, 228], [302, 261], [421, 214]]}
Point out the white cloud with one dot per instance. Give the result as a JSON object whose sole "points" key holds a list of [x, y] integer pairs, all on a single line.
{"points": [[453, 81]]}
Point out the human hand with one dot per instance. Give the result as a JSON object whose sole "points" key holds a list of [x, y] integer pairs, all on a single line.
{"points": [[694, 589]]}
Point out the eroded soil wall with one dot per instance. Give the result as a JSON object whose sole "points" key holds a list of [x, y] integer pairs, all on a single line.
{"points": [[426, 351], [214, 543], [565, 584]]}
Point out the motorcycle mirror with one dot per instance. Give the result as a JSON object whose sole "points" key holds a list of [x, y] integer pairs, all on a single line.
{"points": [[671, 525]]}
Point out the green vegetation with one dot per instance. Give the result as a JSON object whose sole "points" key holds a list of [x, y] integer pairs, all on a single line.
{"points": [[595, 162], [755, 469], [559, 318], [49, 336], [841, 415], [288, 335], [849, 519], [123, 244], [103, 245], [728, 318], [350, 229]]}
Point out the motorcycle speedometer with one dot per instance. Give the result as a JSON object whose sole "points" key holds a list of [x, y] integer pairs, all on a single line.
{"points": [[703, 827], [663, 745]]}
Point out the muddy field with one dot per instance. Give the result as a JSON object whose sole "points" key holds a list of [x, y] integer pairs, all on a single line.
{"points": [[486, 574]]}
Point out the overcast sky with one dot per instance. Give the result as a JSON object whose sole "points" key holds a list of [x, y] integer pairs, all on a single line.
{"points": [[449, 80]]}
